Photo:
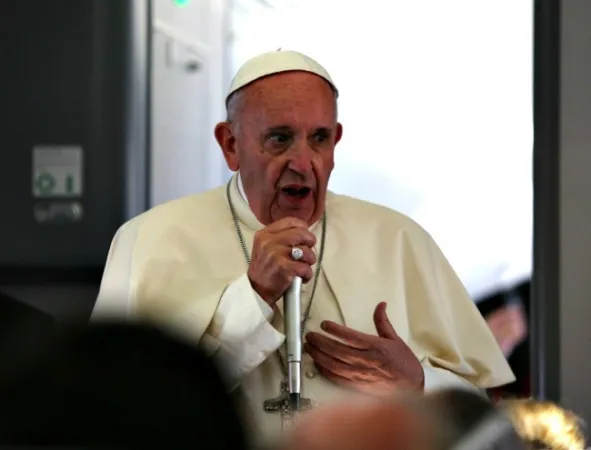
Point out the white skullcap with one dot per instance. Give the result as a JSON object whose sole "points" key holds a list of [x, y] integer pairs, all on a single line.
{"points": [[276, 62]]}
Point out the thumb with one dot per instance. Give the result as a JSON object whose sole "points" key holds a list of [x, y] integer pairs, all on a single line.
{"points": [[383, 325]]}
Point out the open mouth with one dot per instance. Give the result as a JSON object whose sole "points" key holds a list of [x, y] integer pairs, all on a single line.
{"points": [[296, 191]]}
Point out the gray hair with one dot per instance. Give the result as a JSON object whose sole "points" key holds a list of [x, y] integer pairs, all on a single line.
{"points": [[234, 105]]}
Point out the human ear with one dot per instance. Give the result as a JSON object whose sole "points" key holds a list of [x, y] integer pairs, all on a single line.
{"points": [[227, 141], [339, 133]]}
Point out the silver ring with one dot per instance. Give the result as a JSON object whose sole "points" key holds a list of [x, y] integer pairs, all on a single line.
{"points": [[297, 253]]}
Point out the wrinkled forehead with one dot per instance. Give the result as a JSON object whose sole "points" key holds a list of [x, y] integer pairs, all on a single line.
{"points": [[290, 98]]}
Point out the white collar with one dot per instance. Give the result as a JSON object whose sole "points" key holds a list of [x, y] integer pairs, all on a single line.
{"points": [[241, 188]]}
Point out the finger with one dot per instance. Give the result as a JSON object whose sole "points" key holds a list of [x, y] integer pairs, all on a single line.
{"points": [[383, 325], [296, 237], [331, 364], [285, 224], [354, 338], [308, 255], [298, 269], [369, 386], [338, 350], [339, 380]]}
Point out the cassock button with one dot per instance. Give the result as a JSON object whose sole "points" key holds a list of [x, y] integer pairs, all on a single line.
{"points": [[310, 374]]}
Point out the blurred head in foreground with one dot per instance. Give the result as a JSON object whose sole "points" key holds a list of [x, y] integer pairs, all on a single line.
{"points": [[360, 425], [545, 425], [446, 420], [115, 385]]}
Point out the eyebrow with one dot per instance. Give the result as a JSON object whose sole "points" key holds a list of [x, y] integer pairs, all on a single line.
{"points": [[283, 128], [278, 128]]}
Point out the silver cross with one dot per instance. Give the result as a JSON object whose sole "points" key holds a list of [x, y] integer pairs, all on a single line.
{"points": [[280, 405]]}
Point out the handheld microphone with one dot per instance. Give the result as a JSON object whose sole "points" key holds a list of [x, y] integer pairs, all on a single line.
{"points": [[293, 331]]}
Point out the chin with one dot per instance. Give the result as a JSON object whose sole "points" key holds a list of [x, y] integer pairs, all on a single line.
{"points": [[305, 209], [304, 216]]}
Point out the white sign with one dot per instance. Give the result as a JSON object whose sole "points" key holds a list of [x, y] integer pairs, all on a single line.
{"points": [[57, 171]]}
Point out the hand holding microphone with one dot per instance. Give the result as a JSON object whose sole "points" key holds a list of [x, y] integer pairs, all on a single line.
{"points": [[273, 268], [282, 259]]}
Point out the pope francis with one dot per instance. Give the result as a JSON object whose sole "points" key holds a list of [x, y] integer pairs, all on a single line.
{"points": [[382, 308]]}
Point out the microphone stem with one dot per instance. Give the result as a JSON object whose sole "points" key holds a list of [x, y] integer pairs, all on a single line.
{"points": [[293, 331]]}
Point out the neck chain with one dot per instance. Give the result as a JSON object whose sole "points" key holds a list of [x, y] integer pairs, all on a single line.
{"points": [[306, 317]]}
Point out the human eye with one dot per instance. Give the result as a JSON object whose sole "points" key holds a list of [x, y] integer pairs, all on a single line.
{"points": [[279, 138], [321, 136]]}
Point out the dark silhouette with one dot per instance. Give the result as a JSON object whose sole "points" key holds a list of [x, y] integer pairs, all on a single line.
{"points": [[520, 358], [14, 313], [115, 385]]}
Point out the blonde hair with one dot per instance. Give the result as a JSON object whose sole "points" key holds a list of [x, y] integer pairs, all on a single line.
{"points": [[545, 424]]}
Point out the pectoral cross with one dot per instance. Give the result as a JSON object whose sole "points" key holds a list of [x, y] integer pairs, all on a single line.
{"points": [[280, 405]]}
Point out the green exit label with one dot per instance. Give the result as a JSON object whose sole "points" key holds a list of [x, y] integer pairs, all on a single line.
{"points": [[48, 184], [70, 184], [57, 171], [45, 184], [182, 3]]}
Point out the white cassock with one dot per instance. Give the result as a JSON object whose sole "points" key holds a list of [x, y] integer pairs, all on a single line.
{"points": [[181, 264]]}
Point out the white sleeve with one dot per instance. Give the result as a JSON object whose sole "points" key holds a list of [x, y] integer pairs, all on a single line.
{"points": [[115, 298], [439, 379], [240, 336]]}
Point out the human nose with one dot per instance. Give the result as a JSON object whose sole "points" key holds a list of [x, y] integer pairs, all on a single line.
{"points": [[300, 158]]}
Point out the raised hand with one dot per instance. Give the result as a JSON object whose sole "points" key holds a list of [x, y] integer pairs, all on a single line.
{"points": [[509, 327], [373, 364]]}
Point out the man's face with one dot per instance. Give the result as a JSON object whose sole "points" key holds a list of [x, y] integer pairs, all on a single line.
{"points": [[282, 141]]}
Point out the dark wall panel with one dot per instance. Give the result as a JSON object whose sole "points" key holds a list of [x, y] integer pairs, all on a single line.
{"points": [[68, 68]]}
